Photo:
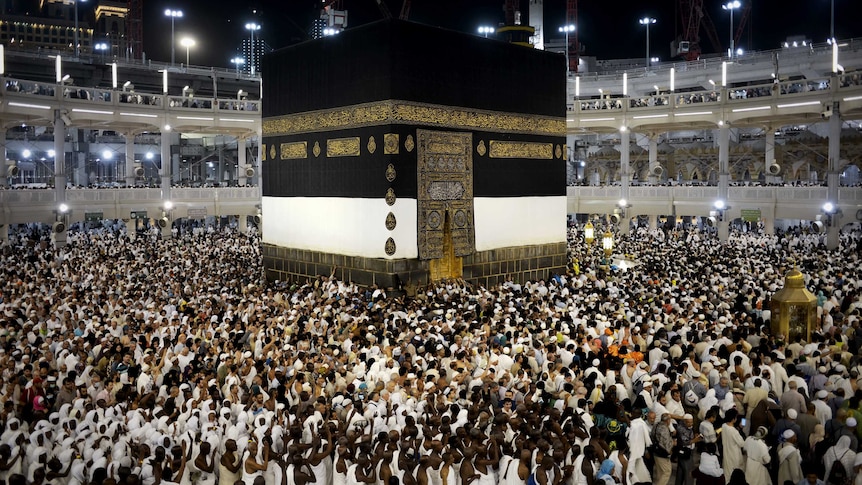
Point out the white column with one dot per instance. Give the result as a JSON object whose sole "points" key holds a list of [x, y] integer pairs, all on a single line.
{"points": [[625, 176], [165, 175], [176, 139], [59, 157], [768, 226], [769, 153], [723, 177], [165, 169], [4, 180], [259, 163], [242, 157], [130, 159], [653, 158], [832, 176], [653, 223]]}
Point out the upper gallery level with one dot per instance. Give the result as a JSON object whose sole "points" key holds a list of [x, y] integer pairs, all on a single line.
{"points": [[770, 88]]}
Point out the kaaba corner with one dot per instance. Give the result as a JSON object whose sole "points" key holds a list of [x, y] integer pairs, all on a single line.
{"points": [[400, 152]]}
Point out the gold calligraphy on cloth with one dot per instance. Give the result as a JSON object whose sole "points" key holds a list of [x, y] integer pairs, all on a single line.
{"points": [[409, 113]]}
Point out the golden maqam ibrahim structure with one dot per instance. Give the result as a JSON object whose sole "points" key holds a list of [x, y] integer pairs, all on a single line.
{"points": [[794, 308]]}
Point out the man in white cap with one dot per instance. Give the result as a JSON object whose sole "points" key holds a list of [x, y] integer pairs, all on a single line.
{"points": [[686, 439], [789, 459], [788, 421], [758, 458], [849, 429], [822, 410]]}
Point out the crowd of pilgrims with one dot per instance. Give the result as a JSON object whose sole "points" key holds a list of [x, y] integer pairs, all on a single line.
{"points": [[149, 361]]}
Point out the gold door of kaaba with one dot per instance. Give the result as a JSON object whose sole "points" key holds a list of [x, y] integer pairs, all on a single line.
{"points": [[449, 266], [445, 200]]}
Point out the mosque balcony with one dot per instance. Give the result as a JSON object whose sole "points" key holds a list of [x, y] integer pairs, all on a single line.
{"points": [[33, 103], [774, 202], [21, 206], [776, 104], [801, 62], [777, 87]]}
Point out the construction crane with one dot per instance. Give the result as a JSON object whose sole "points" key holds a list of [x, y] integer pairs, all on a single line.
{"points": [[743, 19], [510, 11], [692, 17], [384, 9], [405, 10], [135, 29]]}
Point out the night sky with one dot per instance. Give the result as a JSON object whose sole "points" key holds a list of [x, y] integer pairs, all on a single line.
{"points": [[608, 28]]}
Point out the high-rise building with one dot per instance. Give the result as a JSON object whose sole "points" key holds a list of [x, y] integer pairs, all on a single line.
{"points": [[52, 26], [331, 21], [252, 56], [111, 25]]}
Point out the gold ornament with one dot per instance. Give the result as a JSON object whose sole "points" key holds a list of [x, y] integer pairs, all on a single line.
{"points": [[390, 247], [390, 197], [343, 147], [390, 144], [521, 149], [316, 149], [390, 221], [409, 144], [481, 148], [372, 145], [297, 149], [390, 173], [395, 112]]}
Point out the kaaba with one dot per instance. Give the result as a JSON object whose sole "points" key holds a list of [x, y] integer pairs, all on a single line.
{"points": [[398, 152]]}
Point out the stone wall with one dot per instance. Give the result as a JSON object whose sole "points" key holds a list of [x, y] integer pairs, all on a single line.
{"points": [[481, 268]]}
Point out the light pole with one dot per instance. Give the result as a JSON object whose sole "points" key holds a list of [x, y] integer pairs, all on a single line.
{"points": [[647, 21], [173, 14], [731, 6], [237, 61], [484, 30], [566, 29], [188, 43], [253, 27], [77, 48], [101, 47]]}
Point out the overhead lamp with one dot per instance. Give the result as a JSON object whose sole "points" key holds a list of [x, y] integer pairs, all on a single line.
{"points": [[589, 233]]}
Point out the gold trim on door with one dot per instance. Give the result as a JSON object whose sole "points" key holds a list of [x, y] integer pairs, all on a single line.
{"points": [[444, 193], [449, 266]]}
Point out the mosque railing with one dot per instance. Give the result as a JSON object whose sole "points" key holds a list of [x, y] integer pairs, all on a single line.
{"points": [[764, 196], [31, 90], [787, 56], [20, 197]]}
